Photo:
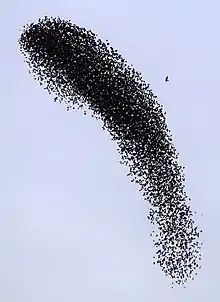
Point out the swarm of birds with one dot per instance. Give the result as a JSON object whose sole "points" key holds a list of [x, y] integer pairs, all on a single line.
{"points": [[84, 72]]}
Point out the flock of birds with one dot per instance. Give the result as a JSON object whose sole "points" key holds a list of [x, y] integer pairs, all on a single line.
{"points": [[83, 71]]}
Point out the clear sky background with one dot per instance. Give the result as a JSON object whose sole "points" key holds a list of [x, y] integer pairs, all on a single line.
{"points": [[72, 226]]}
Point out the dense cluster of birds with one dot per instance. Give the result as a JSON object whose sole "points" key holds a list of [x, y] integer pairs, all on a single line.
{"points": [[84, 72]]}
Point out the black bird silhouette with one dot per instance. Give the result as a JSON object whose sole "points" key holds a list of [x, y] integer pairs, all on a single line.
{"points": [[167, 79]]}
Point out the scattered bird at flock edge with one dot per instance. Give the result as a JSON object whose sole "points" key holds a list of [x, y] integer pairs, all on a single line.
{"points": [[166, 79]]}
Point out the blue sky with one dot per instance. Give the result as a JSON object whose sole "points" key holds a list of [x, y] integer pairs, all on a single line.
{"points": [[72, 226]]}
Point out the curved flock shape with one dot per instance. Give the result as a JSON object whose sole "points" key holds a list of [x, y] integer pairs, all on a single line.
{"points": [[81, 70]]}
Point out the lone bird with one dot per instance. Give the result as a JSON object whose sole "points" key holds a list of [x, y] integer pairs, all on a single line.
{"points": [[167, 79]]}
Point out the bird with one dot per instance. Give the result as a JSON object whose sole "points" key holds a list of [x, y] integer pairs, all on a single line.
{"points": [[139, 128]]}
